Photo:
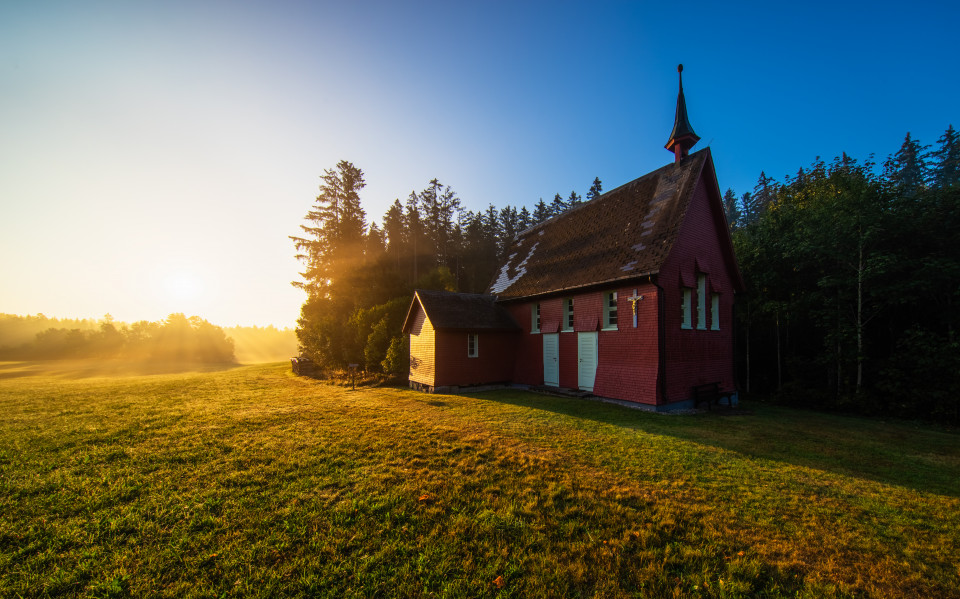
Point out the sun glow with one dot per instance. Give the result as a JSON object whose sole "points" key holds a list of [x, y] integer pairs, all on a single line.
{"points": [[183, 286]]}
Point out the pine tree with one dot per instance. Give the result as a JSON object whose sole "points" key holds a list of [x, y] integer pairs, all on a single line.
{"points": [[731, 209], [574, 200], [525, 218], [946, 167], [374, 244], [509, 227], [395, 232], [557, 206], [418, 244], [763, 194], [438, 206], [595, 189], [905, 173], [747, 215], [335, 233], [541, 212]]}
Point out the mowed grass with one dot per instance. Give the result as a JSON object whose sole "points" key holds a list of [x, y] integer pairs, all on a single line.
{"points": [[250, 482]]}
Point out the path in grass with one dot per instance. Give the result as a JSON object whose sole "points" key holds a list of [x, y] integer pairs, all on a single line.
{"points": [[252, 482]]}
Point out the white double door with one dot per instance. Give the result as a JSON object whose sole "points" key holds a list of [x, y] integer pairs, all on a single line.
{"points": [[586, 360]]}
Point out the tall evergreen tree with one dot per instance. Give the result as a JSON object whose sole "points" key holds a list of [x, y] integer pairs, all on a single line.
{"points": [[395, 233], [525, 218], [731, 209], [541, 211], [747, 214], [574, 200], [419, 246], [946, 167], [333, 244], [438, 208], [509, 227], [763, 194], [333, 251], [905, 172], [557, 206], [595, 189]]}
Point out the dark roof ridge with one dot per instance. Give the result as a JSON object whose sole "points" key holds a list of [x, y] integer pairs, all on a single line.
{"points": [[606, 194], [625, 233], [452, 310]]}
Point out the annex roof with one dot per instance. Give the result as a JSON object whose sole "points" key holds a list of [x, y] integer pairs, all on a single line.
{"points": [[623, 234], [460, 311]]}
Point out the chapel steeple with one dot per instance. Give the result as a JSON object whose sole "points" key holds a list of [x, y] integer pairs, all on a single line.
{"points": [[682, 138]]}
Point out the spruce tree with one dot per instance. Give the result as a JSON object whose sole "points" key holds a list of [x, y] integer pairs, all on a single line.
{"points": [[731, 209], [595, 189], [905, 173], [573, 200], [946, 167], [557, 206], [335, 231], [525, 218], [541, 212]]}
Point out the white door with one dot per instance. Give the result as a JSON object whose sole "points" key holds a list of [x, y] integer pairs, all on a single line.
{"points": [[551, 360], [587, 360]]}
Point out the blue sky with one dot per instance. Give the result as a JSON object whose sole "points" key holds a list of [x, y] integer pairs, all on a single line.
{"points": [[154, 156]]}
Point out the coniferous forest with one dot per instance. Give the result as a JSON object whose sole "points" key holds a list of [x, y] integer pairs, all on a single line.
{"points": [[852, 273]]}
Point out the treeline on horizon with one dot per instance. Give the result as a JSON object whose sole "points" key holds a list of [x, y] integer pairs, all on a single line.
{"points": [[851, 272], [178, 338]]}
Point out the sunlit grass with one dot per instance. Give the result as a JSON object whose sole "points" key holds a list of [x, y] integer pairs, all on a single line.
{"points": [[252, 482]]}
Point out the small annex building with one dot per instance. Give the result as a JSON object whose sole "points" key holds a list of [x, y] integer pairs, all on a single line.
{"points": [[459, 340], [628, 296]]}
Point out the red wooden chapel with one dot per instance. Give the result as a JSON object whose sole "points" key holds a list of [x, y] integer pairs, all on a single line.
{"points": [[628, 296]]}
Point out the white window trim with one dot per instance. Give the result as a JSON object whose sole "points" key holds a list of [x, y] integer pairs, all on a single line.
{"points": [[476, 345], [535, 319], [702, 302], [686, 307], [606, 311], [567, 313]]}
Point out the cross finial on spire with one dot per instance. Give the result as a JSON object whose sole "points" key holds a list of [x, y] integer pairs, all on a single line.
{"points": [[682, 138]]}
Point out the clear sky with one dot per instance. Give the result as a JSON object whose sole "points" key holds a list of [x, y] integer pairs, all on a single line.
{"points": [[155, 156]]}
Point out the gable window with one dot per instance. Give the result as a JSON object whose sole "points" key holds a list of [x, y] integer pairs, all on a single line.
{"points": [[473, 346], [715, 312], [686, 309], [701, 301], [535, 318], [610, 310], [568, 314]]}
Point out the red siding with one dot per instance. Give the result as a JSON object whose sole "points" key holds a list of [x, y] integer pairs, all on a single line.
{"points": [[493, 364], [697, 356], [629, 357], [626, 358], [528, 368]]}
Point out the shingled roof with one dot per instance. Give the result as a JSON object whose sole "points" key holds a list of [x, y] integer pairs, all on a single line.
{"points": [[467, 311], [623, 234]]}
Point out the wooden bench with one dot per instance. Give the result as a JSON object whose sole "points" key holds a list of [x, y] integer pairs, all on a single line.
{"points": [[711, 393]]}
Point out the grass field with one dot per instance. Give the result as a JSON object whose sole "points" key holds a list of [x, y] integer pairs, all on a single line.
{"points": [[250, 482]]}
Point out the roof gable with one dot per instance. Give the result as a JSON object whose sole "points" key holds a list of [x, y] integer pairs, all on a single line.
{"points": [[623, 234], [459, 311]]}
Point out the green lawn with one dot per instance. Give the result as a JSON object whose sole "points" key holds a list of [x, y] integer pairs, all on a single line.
{"points": [[252, 482]]}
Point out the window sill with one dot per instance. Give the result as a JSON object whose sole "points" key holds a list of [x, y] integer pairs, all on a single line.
{"points": [[686, 327], [609, 329]]}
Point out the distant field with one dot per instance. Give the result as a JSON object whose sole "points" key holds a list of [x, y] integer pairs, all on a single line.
{"points": [[250, 482]]}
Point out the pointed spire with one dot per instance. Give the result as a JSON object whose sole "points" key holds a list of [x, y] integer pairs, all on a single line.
{"points": [[682, 138]]}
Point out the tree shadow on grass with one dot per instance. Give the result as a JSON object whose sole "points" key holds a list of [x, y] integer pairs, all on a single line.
{"points": [[916, 456], [90, 368]]}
